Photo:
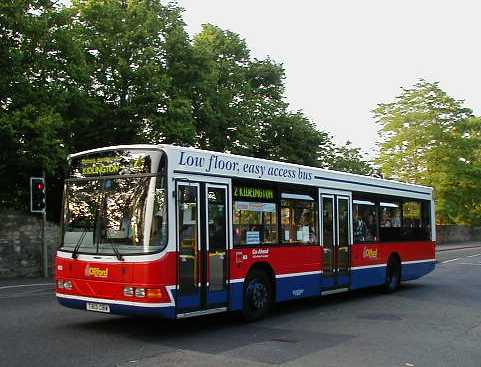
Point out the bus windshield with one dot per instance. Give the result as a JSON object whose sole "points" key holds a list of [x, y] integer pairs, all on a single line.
{"points": [[115, 214]]}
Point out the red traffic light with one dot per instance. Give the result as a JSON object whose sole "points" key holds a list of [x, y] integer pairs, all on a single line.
{"points": [[37, 195]]}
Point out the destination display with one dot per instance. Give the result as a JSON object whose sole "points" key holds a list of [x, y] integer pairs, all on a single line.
{"points": [[253, 193], [110, 163]]}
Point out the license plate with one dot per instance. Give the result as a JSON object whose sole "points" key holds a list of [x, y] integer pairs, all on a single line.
{"points": [[98, 307]]}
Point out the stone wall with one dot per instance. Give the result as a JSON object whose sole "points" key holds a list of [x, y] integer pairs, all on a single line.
{"points": [[21, 244], [457, 233]]}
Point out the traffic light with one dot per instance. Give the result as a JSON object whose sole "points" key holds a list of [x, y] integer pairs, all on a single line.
{"points": [[37, 195]]}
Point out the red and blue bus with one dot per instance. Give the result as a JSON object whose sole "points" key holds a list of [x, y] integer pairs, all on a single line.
{"points": [[180, 232]]}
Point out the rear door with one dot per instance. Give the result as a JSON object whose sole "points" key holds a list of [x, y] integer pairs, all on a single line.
{"points": [[336, 235]]}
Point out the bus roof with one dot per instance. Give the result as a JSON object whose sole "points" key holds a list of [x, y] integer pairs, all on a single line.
{"points": [[319, 176]]}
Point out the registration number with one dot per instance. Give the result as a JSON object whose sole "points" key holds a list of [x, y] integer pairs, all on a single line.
{"points": [[98, 307]]}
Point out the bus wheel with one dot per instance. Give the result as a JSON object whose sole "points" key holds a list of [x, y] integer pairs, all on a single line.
{"points": [[257, 295], [393, 275]]}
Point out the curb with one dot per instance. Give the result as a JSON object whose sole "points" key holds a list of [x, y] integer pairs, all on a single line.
{"points": [[457, 248]]}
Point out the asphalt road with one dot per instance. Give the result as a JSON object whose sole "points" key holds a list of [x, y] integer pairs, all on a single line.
{"points": [[434, 321]]}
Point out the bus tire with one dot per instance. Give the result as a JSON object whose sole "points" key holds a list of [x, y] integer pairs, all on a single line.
{"points": [[258, 295], [393, 274]]}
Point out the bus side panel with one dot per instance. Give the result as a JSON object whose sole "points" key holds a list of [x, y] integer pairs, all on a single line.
{"points": [[236, 296], [369, 261], [368, 277], [417, 270], [297, 270], [297, 287]]}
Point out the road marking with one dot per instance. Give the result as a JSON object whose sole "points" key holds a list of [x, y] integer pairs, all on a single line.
{"points": [[474, 255], [448, 261], [25, 285], [478, 264]]}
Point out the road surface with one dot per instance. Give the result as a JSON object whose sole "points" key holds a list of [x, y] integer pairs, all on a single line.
{"points": [[434, 321]]}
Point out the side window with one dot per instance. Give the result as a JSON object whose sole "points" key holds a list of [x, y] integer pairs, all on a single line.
{"points": [[299, 219], [159, 228], [416, 220], [255, 223], [390, 221], [426, 215], [216, 218], [365, 221], [255, 215]]}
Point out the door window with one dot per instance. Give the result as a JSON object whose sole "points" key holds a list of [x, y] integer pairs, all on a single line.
{"points": [[188, 237], [217, 235], [344, 234], [328, 233]]}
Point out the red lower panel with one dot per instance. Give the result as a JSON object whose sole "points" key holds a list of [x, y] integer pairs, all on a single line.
{"points": [[372, 254], [107, 280], [283, 260]]}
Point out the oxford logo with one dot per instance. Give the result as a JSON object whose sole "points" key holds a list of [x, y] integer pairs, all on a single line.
{"points": [[370, 253], [96, 272]]}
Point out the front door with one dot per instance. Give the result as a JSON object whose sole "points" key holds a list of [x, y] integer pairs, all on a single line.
{"points": [[336, 239], [202, 237]]}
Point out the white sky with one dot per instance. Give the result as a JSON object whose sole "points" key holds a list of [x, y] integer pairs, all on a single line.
{"points": [[342, 58]]}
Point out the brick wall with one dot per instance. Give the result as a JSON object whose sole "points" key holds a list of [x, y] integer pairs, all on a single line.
{"points": [[21, 244]]}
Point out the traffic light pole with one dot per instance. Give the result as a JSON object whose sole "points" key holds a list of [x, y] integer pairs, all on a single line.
{"points": [[44, 240], [44, 247], [38, 204]]}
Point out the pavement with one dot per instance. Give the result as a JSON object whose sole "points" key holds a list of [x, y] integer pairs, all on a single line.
{"points": [[457, 245], [433, 321]]}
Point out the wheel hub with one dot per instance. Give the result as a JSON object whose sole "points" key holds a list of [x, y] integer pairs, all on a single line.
{"points": [[258, 294]]}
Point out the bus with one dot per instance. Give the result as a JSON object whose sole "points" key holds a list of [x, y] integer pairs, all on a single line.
{"points": [[179, 232]]}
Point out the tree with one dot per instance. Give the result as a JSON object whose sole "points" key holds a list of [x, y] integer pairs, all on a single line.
{"points": [[30, 126], [222, 95], [134, 52], [30, 146], [107, 72], [429, 138], [239, 104], [291, 137], [458, 182], [348, 158]]}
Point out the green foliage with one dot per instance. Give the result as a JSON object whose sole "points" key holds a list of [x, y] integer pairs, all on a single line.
{"points": [[429, 138], [236, 96], [348, 158], [106, 72], [240, 107], [134, 53], [30, 126], [30, 142]]}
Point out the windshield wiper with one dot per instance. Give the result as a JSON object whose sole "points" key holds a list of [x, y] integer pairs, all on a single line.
{"points": [[117, 252], [118, 255], [79, 243]]}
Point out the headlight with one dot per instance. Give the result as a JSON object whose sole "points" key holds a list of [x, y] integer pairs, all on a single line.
{"points": [[128, 291], [60, 283], [140, 292], [67, 284]]}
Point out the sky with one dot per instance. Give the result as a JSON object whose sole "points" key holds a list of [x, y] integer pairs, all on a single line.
{"points": [[342, 57]]}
